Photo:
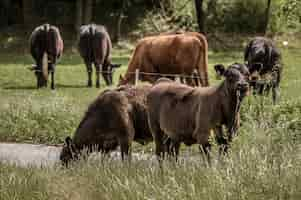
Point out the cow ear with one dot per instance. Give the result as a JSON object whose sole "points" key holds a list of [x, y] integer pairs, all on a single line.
{"points": [[32, 68], [220, 70], [68, 141], [116, 65]]}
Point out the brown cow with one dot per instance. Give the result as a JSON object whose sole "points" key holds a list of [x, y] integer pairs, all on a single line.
{"points": [[116, 117], [95, 47], [46, 47], [169, 54], [187, 114]]}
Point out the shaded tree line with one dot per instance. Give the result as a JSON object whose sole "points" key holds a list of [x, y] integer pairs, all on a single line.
{"points": [[202, 15]]}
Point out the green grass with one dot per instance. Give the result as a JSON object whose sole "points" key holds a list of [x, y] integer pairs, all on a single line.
{"points": [[264, 161]]}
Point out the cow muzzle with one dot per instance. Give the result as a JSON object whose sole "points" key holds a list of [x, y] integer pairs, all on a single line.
{"points": [[242, 89]]}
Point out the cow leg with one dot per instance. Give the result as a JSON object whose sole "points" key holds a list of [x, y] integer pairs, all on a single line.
{"points": [[107, 75], [202, 137], [275, 85], [221, 140], [52, 70], [205, 149], [175, 149], [182, 80], [158, 135], [124, 147], [190, 81], [260, 88], [267, 89], [160, 147], [97, 66], [89, 72], [275, 93], [39, 74], [172, 147], [196, 78]]}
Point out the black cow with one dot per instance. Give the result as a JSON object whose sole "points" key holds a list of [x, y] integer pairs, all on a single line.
{"points": [[95, 47], [261, 53], [46, 47]]}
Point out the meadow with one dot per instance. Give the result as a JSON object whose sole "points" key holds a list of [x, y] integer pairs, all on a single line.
{"points": [[264, 161]]}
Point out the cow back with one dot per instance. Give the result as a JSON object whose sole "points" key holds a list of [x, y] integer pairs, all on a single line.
{"points": [[94, 44]]}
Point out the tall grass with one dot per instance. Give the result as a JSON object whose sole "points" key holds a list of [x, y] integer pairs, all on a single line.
{"points": [[252, 171], [264, 161]]}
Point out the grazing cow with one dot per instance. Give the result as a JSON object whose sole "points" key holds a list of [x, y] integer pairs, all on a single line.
{"points": [[95, 47], [46, 46], [187, 114], [169, 54], [116, 117], [262, 52]]}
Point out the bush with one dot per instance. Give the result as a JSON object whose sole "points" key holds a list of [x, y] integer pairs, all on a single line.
{"points": [[285, 16], [237, 16]]}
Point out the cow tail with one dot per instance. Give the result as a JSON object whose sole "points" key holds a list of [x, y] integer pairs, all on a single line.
{"points": [[46, 27], [91, 46], [45, 65], [45, 55], [203, 62]]}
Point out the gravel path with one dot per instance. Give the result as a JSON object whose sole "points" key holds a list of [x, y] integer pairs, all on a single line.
{"points": [[42, 155], [29, 154]]}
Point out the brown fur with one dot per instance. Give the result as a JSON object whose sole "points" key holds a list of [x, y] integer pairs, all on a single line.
{"points": [[46, 47], [95, 47], [116, 117], [188, 114], [169, 54]]}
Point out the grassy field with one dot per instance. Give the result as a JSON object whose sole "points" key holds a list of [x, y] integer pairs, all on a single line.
{"points": [[264, 162]]}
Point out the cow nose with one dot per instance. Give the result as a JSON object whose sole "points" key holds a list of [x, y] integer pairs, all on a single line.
{"points": [[254, 78]]}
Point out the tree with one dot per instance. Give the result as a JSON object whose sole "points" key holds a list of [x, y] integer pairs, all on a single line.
{"points": [[267, 16], [121, 16], [200, 15], [79, 16], [88, 11]]}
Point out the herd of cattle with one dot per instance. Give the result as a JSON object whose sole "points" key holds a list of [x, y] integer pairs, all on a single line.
{"points": [[168, 112]]}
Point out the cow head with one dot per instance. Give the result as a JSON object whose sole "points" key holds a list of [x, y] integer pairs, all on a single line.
{"points": [[122, 80], [242, 68], [219, 69], [41, 72], [109, 72], [69, 152], [236, 78], [255, 69]]}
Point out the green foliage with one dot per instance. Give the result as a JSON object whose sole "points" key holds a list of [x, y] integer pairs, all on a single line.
{"points": [[285, 16], [177, 15], [234, 16], [238, 16]]}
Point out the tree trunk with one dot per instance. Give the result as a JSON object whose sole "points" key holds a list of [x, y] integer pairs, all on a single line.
{"points": [[79, 16], [200, 15], [267, 16], [212, 7], [88, 11], [28, 17], [119, 22]]}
